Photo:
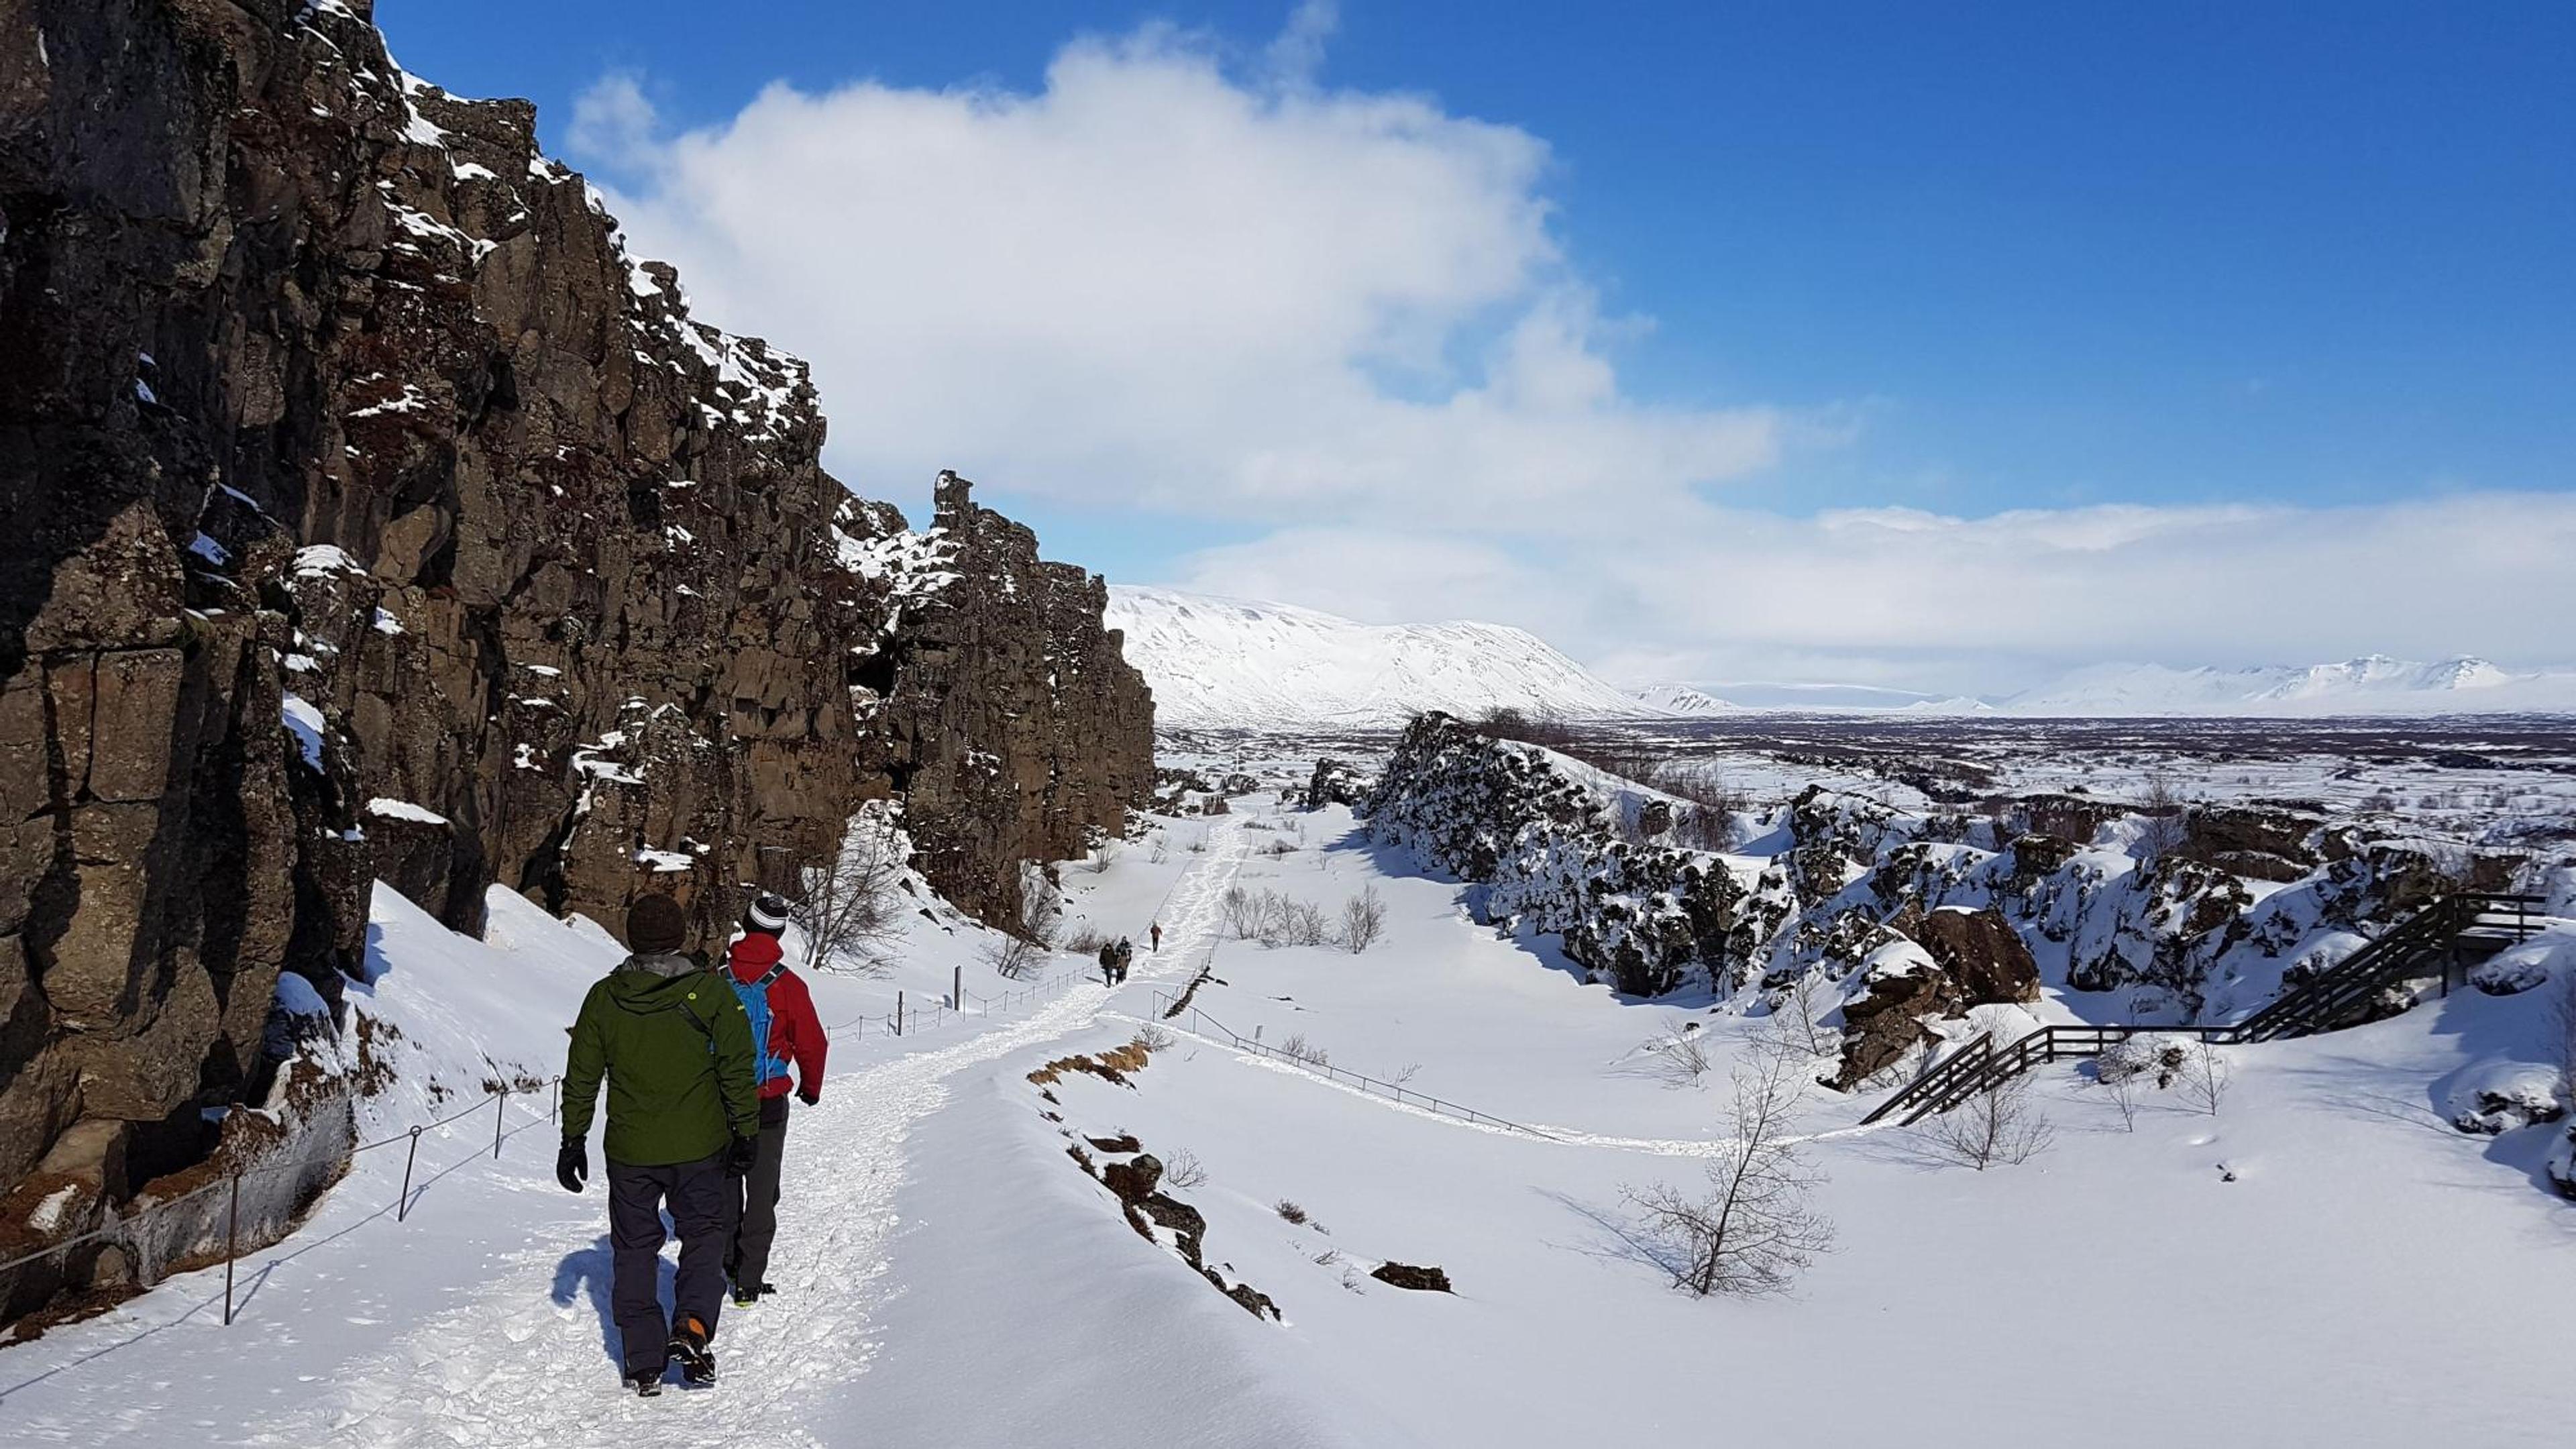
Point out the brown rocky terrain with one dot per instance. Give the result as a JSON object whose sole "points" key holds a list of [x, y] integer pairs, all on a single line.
{"points": [[372, 514]]}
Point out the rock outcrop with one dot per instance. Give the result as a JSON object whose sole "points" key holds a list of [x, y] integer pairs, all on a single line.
{"points": [[373, 514]]}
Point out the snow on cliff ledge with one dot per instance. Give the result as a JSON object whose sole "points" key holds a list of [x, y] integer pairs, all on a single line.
{"points": [[1216, 662]]}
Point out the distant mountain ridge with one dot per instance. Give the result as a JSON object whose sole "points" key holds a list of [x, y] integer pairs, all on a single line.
{"points": [[1236, 663], [2371, 684]]}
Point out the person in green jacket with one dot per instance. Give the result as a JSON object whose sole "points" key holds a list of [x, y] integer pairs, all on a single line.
{"points": [[674, 1046]]}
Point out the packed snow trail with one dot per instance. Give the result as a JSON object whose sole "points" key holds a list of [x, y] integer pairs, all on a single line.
{"points": [[518, 1365]]}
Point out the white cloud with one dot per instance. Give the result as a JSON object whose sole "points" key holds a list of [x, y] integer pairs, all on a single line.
{"points": [[1918, 600], [1159, 283], [1172, 284]]}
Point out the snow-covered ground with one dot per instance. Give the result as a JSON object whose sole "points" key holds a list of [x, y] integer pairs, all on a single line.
{"points": [[2325, 1260]]}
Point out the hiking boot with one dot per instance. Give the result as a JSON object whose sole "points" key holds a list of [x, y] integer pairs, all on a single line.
{"points": [[747, 1294], [689, 1348], [646, 1382]]}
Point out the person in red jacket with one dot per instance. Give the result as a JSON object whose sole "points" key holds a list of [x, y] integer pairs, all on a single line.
{"points": [[786, 1031]]}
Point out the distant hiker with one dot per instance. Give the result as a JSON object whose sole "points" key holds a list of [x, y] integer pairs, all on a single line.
{"points": [[1109, 964], [1155, 933], [785, 1029], [683, 1118], [1126, 956]]}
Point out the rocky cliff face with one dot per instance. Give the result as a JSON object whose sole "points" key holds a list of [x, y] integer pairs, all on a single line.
{"points": [[371, 513]]}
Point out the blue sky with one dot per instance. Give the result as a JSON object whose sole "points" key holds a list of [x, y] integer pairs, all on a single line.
{"points": [[1973, 259]]}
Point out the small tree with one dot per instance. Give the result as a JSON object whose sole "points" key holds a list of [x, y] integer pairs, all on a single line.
{"points": [[850, 908], [2166, 820], [1751, 1229], [1100, 857], [1798, 1013], [1999, 1124], [1041, 908], [1363, 920], [2204, 1078]]}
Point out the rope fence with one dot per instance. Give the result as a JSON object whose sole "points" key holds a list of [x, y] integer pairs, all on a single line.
{"points": [[1204, 1025], [128, 1229]]}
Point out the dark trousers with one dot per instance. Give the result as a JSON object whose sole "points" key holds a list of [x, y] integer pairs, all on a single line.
{"points": [[700, 1196], [756, 1210]]}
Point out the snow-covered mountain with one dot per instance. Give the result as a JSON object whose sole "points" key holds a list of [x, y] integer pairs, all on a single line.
{"points": [[1681, 701], [1235, 663], [2373, 684]]}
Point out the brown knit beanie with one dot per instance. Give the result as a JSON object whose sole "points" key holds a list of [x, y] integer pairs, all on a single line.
{"points": [[655, 925]]}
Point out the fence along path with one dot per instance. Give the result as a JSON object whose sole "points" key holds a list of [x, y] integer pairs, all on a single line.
{"points": [[2441, 936], [1168, 1007]]}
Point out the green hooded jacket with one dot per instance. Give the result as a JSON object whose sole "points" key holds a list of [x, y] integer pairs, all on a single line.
{"points": [[675, 1046]]}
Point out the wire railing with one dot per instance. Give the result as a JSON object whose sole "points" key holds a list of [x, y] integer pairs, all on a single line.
{"points": [[1204, 1025], [130, 1229], [907, 1019]]}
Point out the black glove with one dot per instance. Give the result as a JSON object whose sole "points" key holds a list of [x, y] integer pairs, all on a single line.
{"points": [[572, 1166], [738, 1156], [811, 1094]]}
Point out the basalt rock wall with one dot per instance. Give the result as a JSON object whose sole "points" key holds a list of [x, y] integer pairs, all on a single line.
{"points": [[370, 513]]}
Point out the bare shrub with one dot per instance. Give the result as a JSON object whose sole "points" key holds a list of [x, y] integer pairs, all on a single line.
{"points": [[1161, 850], [1506, 723], [2000, 1124], [1297, 1048], [2122, 1088], [1086, 939], [1678, 1058], [1750, 1229], [851, 908], [1363, 920], [1014, 958], [1710, 806], [1290, 1211], [1288, 922], [1280, 847], [1183, 1169], [1041, 912], [2204, 1077], [1153, 1038], [1198, 844], [1101, 856], [2165, 822], [1406, 1073], [1799, 1010]]}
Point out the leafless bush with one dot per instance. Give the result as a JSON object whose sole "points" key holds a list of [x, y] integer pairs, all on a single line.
{"points": [[1297, 1048], [2165, 819], [1153, 1038], [1706, 820], [1999, 1124], [1750, 1229], [2204, 1077], [1014, 958], [1799, 1010], [1161, 850], [1198, 844], [1296, 923], [1679, 1058], [1185, 1170], [851, 908], [1290, 1211], [2122, 1088], [1086, 939], [1101, 856], [1280, 847], [1246, 914], [1406, 1073], [1363, 920], [1041, 913], [1505, 723]]}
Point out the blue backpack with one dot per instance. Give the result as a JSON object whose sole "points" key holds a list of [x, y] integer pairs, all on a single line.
{"points": [[755, 1003]]}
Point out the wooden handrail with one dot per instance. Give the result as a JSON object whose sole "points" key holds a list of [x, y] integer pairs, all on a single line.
{"points": [[2317, 1004]]}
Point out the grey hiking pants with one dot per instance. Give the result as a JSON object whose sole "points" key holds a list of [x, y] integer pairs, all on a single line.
{"points": [[755, 1223], [700, 1197]]}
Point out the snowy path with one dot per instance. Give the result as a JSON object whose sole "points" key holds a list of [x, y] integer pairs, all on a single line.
{"points": [[517, 1366]]}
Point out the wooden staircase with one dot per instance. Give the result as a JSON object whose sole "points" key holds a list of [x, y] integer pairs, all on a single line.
{"points": [[2439, 939]]}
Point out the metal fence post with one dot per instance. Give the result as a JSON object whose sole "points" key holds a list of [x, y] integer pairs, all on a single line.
{"points": [[232, 1246], [957, 987], [898, 1013], [402, 1204], [500, 1115]]}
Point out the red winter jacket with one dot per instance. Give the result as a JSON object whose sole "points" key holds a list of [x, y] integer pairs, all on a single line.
{"points": [[795, 1032]]}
